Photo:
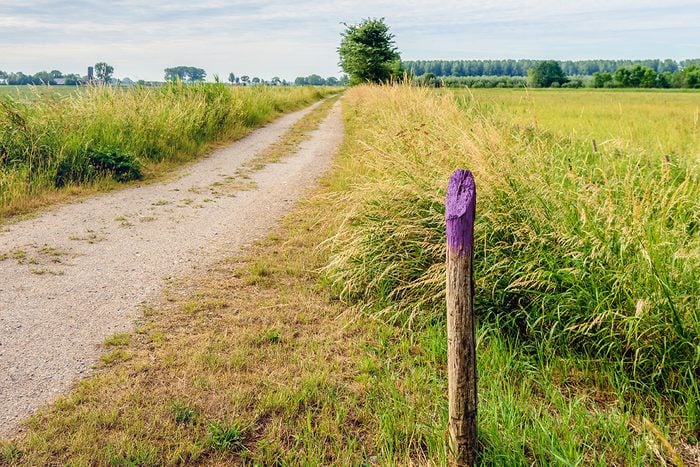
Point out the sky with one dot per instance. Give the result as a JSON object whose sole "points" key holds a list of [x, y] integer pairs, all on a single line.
{"points": [[299, 37]]}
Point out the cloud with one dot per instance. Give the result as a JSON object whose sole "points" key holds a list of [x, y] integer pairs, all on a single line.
{"points": [[288, 38]]}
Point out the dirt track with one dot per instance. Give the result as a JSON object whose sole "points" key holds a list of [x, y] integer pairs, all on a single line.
{"points": [[81, 272]]}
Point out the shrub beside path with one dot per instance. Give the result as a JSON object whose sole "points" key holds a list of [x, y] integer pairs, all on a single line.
{"points": [[81, 272]]}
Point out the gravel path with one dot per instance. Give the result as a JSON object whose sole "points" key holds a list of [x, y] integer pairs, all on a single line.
{"points": [[81, 272]]}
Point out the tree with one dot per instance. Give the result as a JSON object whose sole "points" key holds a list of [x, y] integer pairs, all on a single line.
{"points": [[315, 80], [176, 73], [256, 80], [367, 52], [185, 73], [546, 73], [643, 77], [231, 78], [430, 80], [276, 81], [623, 77], [663, 80], [689, 77], [195, 74], [43, 77], [19, 79], [602, 79], [104, 71], [72, 79]]}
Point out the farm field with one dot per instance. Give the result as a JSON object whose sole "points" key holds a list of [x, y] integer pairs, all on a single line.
{"points": [[587, 267], [32, 93], [97, 138], [660, 121]]}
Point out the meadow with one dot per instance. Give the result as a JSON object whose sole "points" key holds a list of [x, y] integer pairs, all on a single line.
{"points": [[58, 144], [33, 93], [656, 121], [326, 344]]}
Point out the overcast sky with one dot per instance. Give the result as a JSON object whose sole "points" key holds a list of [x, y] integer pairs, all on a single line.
{"points": [[299, 37]]}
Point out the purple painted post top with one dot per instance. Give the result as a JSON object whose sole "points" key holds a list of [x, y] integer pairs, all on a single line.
{"points": [[460, 209]]}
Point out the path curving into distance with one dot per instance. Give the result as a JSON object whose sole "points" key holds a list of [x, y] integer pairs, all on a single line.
{"points": [[79, 273]]}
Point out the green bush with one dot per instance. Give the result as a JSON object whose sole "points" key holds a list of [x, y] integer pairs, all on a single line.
{"points": [[95, 163]]}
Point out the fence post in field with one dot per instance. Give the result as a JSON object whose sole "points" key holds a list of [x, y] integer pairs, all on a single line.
{"points": [[460, 209]]}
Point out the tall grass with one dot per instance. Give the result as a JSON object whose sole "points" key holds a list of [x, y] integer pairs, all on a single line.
{"points": [[596, 254], [106, 132]]}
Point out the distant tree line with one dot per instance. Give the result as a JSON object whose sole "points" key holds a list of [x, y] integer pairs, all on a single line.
{"points": [[246, 80], [316, 80], [546, 74], [39, 78], [311, 80], [640, 76], [103, 73], [442, 68], [430, 80], [187, 74], [550, 73]]}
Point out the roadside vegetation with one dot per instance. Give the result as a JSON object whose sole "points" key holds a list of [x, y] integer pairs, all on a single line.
{"points": [[53, 147], [326, 343], [584, 258]]}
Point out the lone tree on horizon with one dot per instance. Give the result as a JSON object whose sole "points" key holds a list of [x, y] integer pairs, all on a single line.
{"points": [[103, 71], [189, 74], [367, 52]]}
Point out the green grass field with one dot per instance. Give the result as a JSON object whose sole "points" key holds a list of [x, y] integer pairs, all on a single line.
{"points": [[661, 122], [33, 93], [327, 343]]}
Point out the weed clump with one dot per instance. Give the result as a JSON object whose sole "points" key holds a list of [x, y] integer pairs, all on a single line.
{"points": [[121, 166], [184, 413], [226, 437]]}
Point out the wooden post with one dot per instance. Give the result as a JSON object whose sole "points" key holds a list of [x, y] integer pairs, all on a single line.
{"points": [[460, 209]]}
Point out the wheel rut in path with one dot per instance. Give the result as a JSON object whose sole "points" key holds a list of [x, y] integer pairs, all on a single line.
{"points": [[81, 272]]}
